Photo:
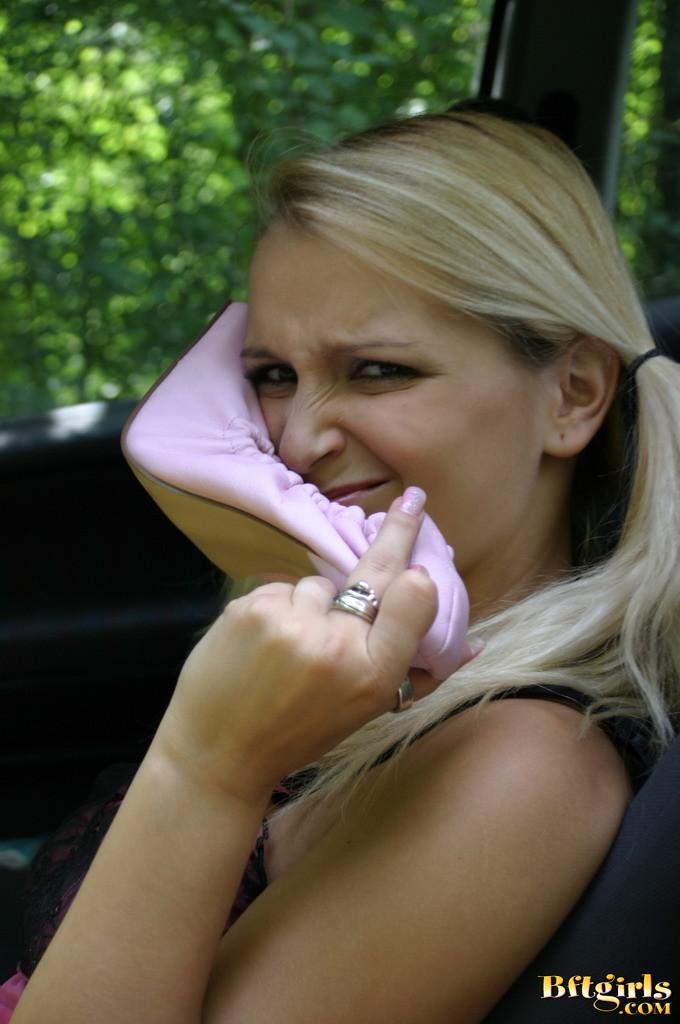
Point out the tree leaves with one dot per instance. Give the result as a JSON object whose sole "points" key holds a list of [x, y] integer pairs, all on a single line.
{"points": [[126, 216], [130, 135]]}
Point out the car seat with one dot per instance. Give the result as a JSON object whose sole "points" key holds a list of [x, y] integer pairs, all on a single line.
{"points": [[627, 923]]}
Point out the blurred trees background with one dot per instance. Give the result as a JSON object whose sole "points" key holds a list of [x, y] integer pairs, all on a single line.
{"points": [[126, 216], [648, 216], [130, 133]]}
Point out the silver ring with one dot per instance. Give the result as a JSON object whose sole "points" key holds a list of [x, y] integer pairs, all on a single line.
{"points": [[404, 697], [360, 599]]}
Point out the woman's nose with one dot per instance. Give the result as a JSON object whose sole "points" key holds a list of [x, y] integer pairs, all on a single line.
{"points": [[307, 435]]}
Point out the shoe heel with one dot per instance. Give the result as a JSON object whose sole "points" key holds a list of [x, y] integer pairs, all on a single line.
{"points": [[236, 542]]}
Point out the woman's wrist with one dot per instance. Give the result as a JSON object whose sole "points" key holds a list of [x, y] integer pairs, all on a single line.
{"points": [[139, 939], [233, 779]]}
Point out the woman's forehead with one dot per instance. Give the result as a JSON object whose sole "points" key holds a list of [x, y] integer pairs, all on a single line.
{"points": [[313, 301], [303, 284]]}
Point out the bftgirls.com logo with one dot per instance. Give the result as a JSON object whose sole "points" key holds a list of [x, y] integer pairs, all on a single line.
{"points": [[644, 998]]}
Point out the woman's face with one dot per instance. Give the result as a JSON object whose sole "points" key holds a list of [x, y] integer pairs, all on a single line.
{"points": [[361, 378]]}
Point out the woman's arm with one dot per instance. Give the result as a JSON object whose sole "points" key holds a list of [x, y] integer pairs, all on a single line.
{"points": [[425, 904], [139, 940], [279, 679]]}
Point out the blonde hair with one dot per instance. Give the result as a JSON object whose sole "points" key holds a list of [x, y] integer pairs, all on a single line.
{"points": [[501, 221]]}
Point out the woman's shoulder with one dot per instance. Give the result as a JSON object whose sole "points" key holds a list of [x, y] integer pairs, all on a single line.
{"points": [[535, 741], [531, 750], [530, 746], [475, 843], [630, 736]]}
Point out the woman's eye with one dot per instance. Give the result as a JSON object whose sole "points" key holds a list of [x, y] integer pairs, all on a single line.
{"points": [[278, 374], [387, 371], [260, 374]]}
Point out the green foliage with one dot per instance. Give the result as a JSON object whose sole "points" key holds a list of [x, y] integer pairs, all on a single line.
{"points": [[128, 130], [132, 134], [648, 215]]}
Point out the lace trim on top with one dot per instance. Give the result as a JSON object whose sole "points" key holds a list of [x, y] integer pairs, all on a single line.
{"points": [[60, 866]]}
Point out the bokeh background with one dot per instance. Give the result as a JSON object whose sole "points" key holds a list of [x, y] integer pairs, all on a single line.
{"points": [[133, 136]]}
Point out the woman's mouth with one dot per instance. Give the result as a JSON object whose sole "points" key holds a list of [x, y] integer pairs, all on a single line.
{"points": [[351, 497]]}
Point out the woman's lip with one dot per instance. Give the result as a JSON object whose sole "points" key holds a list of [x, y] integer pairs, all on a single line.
{"points": [[343, 495]]}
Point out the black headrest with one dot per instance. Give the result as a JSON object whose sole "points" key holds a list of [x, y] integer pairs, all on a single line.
{"points": [[664, 320]]}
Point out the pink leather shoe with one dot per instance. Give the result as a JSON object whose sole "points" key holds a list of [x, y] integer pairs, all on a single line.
{"points": [[198, 443]]}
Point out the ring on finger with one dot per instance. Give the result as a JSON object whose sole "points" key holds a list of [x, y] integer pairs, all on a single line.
{"points": [[360, 599], [404, 697]]}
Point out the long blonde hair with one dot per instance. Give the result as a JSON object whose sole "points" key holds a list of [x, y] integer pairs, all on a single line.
{"points": [[501, 221]]}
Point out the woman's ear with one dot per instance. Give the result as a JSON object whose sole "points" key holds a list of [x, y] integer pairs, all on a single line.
{"points": [[585, 379]]}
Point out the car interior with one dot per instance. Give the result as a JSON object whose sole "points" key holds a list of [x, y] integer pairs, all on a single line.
{"points": [[103, 597]]}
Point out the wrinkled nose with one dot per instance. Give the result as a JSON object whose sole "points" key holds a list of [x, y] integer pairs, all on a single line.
{"points": [[307, 435]]}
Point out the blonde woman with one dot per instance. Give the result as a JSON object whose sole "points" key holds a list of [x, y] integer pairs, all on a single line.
{"points": [[438, 307]]}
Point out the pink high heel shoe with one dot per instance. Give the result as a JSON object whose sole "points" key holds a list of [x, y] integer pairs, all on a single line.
{"points": [[198, 443]]}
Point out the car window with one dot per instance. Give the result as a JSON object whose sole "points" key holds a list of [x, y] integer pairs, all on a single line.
{"points": [[648, 211], [126, 133]]}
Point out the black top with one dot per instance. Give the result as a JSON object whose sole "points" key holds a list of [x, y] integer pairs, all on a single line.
{"points": [[629, 735], [60, 866]]}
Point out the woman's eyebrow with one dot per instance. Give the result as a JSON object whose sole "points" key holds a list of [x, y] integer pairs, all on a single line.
{"points": [[259, 352]]}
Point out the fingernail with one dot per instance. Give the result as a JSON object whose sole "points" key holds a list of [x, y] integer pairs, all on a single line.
{"points": [[476, 646], [413, 500], [421, 568]]}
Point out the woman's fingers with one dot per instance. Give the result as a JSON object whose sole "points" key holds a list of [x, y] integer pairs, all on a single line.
{"points": [[471, 651], [390, 553], [313, 594], [407, 610], [407, 607], [408, 599], [291, 678]]}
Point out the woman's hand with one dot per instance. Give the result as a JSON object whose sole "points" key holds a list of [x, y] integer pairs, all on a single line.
{"points": [[281, 677]]}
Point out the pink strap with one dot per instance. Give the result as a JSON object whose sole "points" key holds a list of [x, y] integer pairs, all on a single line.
{"points": [[10, 993]]}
